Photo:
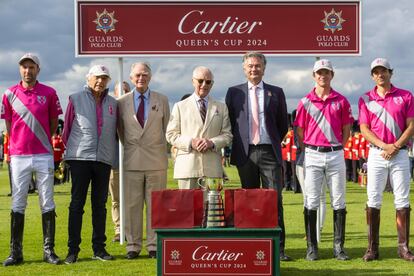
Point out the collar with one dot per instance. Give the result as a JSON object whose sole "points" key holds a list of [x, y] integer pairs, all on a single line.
{"points": [[146, 94], [30, 89], [250, 85], [104, 93], [374, 94], [197, 98], [314, 97]]}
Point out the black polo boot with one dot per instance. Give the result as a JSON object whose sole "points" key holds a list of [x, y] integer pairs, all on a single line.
{"points": [[311, 239], [49, 226], [339, 218], [16, 239]]}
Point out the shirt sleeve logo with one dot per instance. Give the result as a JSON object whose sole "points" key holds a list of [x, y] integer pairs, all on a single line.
{"points": [[41, 99]]}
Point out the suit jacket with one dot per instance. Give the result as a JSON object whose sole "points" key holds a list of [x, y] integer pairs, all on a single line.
{"points": [[186, 124], [144, 148], [276, 121]]}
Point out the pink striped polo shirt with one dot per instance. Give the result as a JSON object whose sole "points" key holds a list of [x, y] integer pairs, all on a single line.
{"points": [[322, 120], [30, 112], [386, 117]]}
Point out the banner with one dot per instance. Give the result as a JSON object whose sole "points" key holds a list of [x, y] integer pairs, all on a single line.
{"points": [[186, 256], [203, 28]]}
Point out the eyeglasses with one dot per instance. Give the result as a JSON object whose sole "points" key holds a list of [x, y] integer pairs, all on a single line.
{"points": [[200, 81]]}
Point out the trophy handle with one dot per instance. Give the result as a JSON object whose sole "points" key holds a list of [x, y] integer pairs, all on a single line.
{"points": [[201, 183]]}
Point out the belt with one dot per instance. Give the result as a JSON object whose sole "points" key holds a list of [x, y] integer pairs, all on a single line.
{"points": [[324, 149], [375, 147]]}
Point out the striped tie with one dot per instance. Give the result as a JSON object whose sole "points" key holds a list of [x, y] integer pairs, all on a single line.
{"points": [[203, 109]]}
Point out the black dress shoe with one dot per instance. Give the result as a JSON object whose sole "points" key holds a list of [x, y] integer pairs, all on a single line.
{"points": [[152, 254], [132, 255], [283, 257]]}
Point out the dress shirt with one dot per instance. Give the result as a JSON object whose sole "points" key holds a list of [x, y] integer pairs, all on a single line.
{"points": [[264, 137]]}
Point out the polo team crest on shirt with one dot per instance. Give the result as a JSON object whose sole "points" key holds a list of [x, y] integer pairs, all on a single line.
{"points": [[110, 109], [41, 99], [105, 21], [333, 21], [336, 106], [398, 100]]}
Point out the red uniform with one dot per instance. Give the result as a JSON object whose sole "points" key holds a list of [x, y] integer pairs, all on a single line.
{"points": [[58, 148], [348, 149], [6, 144], [355, 145]]}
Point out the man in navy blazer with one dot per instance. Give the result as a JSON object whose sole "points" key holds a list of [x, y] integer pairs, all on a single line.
{"points": [[258, 118]]}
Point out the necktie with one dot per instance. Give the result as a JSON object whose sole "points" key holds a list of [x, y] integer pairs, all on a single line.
{"points": [[203, 109], [255, 116], [141, 111]]}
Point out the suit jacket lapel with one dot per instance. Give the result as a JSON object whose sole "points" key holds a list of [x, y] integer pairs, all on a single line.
{"points": [[246, 104], [153, 109], [211, 111], [131, 112], [267, 95], [194, 110]]}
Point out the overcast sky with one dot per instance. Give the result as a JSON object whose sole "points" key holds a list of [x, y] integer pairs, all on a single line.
{"points": [[45, 27]]}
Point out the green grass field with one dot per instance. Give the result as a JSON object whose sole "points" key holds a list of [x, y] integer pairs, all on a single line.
{"points": [[356, 239]]}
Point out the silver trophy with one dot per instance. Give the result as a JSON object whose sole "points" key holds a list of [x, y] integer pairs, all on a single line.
{"points": [[213, 207]]}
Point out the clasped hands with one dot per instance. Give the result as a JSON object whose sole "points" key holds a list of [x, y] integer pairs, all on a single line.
{"points": [[389, 151], [201, 144]]}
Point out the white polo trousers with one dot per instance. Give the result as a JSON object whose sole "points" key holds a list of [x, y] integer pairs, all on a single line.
{"points": [[398, 169], [22, 168], [329, 166]]}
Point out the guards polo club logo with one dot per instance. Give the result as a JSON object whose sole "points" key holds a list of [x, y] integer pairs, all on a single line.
{"points": [[105, 21], [333, 21], [41, 99]]}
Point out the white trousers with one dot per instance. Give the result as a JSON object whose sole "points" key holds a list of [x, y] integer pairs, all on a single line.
{"points": [[329, 166], [398, 169], [300, 173], [22, 170]]}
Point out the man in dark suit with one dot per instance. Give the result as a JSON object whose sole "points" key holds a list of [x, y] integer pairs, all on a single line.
{"points": [[259, 122]]}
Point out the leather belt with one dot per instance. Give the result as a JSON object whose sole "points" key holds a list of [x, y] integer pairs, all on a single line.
{"points": [[375, 147], [324, 149]]}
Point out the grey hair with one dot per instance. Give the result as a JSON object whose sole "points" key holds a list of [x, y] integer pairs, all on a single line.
{"points": [[145, 64], [255, 55], [202, 68]]}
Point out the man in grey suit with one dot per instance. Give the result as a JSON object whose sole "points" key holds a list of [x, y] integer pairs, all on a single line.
{"points": [[258, 117], [143, 118]]}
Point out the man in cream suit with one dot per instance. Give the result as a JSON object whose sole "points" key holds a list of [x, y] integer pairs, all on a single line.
{"points": [[143, 118], [199, 127]]}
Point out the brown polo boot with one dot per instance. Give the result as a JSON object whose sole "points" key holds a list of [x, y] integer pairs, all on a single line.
{"points": [[403, 229], [373, 221]]}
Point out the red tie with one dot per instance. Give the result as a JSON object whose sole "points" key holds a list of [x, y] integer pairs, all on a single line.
{"points": [[141, 111]]}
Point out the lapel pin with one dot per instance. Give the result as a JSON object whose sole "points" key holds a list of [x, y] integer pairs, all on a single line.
{"points": [[269, 93]]}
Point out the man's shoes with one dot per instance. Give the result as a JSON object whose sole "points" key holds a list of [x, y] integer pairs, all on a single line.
{"points": [[117, 238], [283, 257], [152, 254], [102, 255], [13, 260], [71, 258], [132, 255]]}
